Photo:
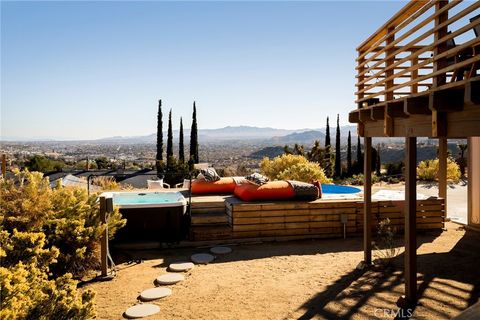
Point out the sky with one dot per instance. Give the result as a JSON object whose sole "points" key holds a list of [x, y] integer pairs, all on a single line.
{"points": [[86, 70]]}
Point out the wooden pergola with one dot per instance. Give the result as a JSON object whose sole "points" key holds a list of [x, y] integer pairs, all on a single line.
{"points": [[414, 80]]}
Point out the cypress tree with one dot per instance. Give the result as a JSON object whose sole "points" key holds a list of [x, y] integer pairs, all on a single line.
{"points": [[359, 156], [327, 135], [378, 162], [349, 154], [181, 151], [170, 141], [194, 137], [338, 158], [159, 156]]}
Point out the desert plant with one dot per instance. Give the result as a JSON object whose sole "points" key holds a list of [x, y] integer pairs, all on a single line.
{"points": [[428, 170], [68, 217], [358, 179], [109, 184], [293, 167], [25, 288], [385, 250]]}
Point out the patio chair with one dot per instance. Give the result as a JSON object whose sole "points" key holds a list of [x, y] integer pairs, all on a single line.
{"points": [[157, 184]]}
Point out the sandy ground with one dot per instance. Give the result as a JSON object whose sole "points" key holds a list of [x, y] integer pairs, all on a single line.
{"points": [[311, 279]]}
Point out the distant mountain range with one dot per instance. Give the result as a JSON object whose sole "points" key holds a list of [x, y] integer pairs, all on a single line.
{"points": [[233, 133]]}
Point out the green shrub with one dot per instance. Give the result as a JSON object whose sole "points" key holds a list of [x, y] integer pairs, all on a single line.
{"points": [[25, 288], [428, 170], [293, 167], [68, 217], [358, 179]]}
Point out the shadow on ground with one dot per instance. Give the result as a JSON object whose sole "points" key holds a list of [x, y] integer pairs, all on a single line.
{"points": [[360, 293]]}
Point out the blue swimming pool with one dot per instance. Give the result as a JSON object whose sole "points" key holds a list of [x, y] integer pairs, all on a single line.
{"points": [[336, 189]]}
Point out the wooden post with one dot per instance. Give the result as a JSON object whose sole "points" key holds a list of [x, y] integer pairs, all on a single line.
{"points": [[410, 220], [104, 239], [367, 198], [474, 182], [442, 169], [4, 165]]}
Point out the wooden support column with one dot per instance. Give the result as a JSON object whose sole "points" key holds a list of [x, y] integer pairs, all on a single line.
{"points": [[474, 182], [388, 125], [410, 220], [367, 201], [104, 239], [442, 169]]}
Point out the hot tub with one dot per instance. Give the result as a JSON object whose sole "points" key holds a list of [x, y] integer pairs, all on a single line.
{"points": [[152, 216]]}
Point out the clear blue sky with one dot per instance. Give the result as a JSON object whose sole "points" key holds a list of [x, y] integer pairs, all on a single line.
{"points": [[95, 69]]}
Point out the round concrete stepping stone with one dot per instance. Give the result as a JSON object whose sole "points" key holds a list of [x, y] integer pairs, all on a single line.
{"points": [[155, 293], [202, 258], [170, 278], [220, 250], [142, 310], [180, 266]]}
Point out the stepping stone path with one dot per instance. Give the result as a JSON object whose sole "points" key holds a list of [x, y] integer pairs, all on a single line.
{"points": [[142, 310], [155, 293], [180, 266], [220, 250], [170, 278], [148, 309], [202, 258]]}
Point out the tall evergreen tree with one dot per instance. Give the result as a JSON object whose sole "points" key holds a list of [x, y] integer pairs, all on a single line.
{"points": [[194, 137], [170, 141], [181, 149], [359, 156], [159, 156], [378, 163], [327, 134], [349, 154], [338, 157]]}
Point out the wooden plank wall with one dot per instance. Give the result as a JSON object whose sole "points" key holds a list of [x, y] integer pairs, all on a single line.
{"points": [[253, 220], [250, 220]]}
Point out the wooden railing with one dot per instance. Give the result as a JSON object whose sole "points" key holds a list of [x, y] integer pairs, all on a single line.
{"points": [[425, 46]]}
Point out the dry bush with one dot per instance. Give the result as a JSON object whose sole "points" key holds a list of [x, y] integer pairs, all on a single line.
{"points": [[293, 167], [428, 170]]}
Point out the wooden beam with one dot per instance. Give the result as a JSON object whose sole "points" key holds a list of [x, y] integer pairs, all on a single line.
{"points": [[377, 113], [472, 92], [365, 115], [416, 105], [361, 129], [439, 124], [448, 100], [354, 116], [442, 169], [410, 220], [367, 200], [104, 238], [396, 109]]}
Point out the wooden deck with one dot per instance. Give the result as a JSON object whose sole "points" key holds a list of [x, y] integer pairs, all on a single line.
{"points": [[228, 218]]}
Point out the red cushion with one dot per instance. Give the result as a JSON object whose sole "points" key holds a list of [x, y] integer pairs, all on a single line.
{"points": [[224, 185], [274, 190]]}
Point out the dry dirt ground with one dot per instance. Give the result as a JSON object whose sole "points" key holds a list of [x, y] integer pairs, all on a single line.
{"points": [[311, 279]]}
